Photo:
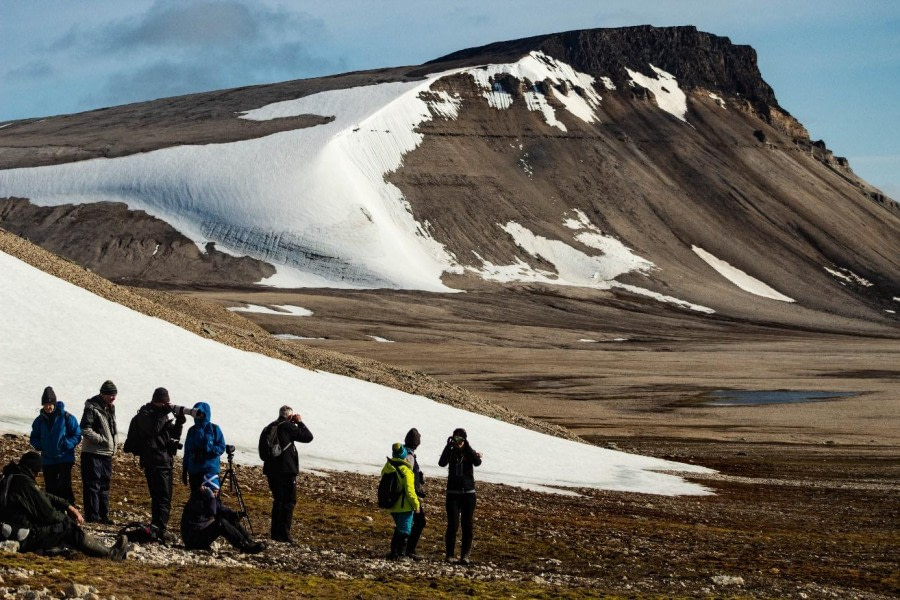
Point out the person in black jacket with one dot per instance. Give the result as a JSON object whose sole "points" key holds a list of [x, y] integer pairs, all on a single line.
{"points": [[48, 520], [205, 518], [412, 441], [459, 458], [281, 471], [154, 436]]}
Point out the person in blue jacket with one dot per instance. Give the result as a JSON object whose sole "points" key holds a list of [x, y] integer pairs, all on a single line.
{"points": [[55, 434], [203, 448]]}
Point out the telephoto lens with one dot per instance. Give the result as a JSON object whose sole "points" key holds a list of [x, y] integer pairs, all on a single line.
{"points": [[184, 410]]}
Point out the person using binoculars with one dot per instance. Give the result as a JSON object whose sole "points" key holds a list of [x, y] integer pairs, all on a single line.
{"points": [[155, 437], [460, 459], [204, 445]]}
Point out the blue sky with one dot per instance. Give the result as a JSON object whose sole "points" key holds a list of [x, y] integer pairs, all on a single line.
{"points": [[835, 65]]}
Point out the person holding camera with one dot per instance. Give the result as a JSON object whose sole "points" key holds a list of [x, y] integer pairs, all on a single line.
{"points": [[281, 464], [204, 445], [460, 460], [98, 426], [205, 518], [154, 436]]}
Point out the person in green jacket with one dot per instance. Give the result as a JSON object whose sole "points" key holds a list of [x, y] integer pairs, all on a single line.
{"points": [[50, 520], [406, 505]]}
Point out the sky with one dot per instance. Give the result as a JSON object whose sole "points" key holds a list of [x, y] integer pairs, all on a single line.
{"points": [[354, 422], [835, 65]]}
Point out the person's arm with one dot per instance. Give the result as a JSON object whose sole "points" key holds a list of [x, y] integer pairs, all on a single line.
{"points": [[35, 438], [73, 433], [298, 430], [215, 442], [88, 420], [409, 487], [444, 460], [475, 457]]}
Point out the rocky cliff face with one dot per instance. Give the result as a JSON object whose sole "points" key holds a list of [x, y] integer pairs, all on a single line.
{"points": [[650, 162]]}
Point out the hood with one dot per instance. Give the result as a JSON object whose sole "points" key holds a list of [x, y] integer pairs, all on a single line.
{"points": [[207, 413], [60, 408]]}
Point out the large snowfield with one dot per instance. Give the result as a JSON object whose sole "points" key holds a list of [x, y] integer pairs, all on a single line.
{"points": [[55, 333]]}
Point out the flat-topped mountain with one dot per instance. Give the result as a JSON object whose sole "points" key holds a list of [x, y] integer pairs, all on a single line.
{"points": [[643, 162]]}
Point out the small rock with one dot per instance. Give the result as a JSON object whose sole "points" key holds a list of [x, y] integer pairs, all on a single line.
{"points": [[92, 597], [538, 579], [76, 590], [10, 546], [727, 580]]}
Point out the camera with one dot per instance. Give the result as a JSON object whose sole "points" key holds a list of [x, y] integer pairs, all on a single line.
{"points": [[229, 450], [174, 446], [180, 411]]}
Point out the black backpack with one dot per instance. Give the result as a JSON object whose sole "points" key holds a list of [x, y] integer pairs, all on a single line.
{"points": [[133, 442], [269, 445], [390, 488], [140, 533], [4, 492]]}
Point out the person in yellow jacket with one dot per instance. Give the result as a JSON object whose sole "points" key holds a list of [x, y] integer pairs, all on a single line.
{"points": [[406, 505]]}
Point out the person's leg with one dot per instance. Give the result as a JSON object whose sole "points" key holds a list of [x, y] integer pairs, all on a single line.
{"points": [[104, 470], [202, 539], [65, 482], [238, 537], [90, 480], [51, 479], [418, 524], [453, 508], [275, 488], [289, 500], [468, 518]]}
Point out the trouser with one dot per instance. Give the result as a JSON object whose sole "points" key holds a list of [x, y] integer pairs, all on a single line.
{"points": [[58, 481], [459, 505], [96, 473], [159, 483], [418, 524], [235, 533], [284, 497], [65, 533]]}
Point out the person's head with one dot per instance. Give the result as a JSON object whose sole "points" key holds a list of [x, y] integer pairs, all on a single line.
{"points": [[413, 439], [285, 412], [398, 450], [211, 483], [108, 392], [160, 396], [459, 437], [48, 400], [31, 461]]}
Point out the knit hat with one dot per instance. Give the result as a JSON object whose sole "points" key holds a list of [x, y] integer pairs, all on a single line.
{"points": [[460, 432], [160, 395], [211, 480], [413, 439], [49, 396], [398, 450], [31, 460], [108, 388]]}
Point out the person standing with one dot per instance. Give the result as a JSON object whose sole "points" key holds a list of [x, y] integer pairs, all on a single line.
{"points": [[49, 520], [56, 433], [281, 471], [459, 458], [406, 505], [98, 426], [204, 444], [412, 441], [154, 436]]}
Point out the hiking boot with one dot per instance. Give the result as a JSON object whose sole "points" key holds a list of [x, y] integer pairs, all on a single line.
{"points": [[286, 539], [253, 548], [449, 559], [120, 550], [166, 538], [464, 560], [106, 521], [413, 556]]}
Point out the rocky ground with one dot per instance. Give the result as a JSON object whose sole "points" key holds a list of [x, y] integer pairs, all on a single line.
{"points": [[808, 522]]}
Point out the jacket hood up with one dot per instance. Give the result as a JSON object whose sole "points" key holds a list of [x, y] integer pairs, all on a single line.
{"points": [[206, 417]]}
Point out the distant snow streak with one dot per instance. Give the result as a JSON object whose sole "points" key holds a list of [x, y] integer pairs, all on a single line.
{"points": [[744, 281], [281, 310], [664, 86]]}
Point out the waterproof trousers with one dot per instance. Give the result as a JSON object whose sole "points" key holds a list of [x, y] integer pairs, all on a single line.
{"points": [[96, 473], [460, 506], [284, 498]]}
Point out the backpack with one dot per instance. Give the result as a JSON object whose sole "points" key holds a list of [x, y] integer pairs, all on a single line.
{"points": [[141, 533], [390, 488], [269, 445], [4, 491], [133, 442]]}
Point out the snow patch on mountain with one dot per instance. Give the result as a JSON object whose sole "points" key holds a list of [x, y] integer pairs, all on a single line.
{"points": [[848, 276], [744, 281], [282, 310], [666, 92]]}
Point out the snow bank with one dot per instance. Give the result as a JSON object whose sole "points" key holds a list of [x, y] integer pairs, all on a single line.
{"points": [[55, 333], [739, 278]]}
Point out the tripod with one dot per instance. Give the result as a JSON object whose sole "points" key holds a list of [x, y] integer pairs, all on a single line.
{"points": [[231, 477]]}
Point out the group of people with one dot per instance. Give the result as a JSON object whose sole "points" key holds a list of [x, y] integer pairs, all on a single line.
{"points": [[46, 519]]}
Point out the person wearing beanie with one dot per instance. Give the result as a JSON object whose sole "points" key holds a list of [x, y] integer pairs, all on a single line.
{"points": [[408, 503], [205, 519], [460, 460], [204, 445], [154, 435], [98, 426], [412, 441], [281, 470], [44, 520], [56, 433]]}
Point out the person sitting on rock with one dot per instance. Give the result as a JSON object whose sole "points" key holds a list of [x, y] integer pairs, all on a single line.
{"points": [[205, 518], [50, 520]]}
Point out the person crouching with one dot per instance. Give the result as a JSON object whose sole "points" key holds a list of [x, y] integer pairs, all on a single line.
{"points": [[403, 509], [205, 518]]}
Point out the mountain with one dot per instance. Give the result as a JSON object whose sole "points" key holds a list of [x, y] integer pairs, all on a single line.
{"points": [[640, 162]]}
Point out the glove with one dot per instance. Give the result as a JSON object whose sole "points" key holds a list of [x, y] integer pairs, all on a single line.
{"points": [[180, 419]]}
